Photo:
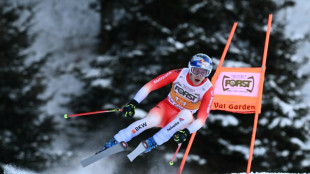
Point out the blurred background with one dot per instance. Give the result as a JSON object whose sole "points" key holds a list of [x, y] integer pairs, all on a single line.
{"points": [[70, 56]]}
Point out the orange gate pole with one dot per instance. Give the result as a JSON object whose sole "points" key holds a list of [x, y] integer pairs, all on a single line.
{"points": [[260, 93]]}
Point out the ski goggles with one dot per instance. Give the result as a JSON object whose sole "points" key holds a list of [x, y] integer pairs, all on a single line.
{"points": [[199, 71]]}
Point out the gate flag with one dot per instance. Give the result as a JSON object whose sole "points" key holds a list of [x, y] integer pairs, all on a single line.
{"points": [[236, 90]]}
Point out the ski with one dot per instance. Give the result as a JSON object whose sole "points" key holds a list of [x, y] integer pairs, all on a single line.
{"points": [[122, 146], [139, 150]]}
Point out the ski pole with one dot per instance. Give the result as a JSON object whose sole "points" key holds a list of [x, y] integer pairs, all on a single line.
{"points": [[92, 113], [175, 154]]}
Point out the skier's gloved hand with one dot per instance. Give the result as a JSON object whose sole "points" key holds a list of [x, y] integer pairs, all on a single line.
{"points": [[180, 136], [130, 109]]}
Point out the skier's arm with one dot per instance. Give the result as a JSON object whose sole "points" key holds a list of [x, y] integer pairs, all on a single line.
{"points": [[203, 111], [160, 81], [156, 83]]}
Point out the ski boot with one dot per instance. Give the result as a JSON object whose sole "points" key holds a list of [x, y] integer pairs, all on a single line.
{"points": [[109, 144], [149, 144]]}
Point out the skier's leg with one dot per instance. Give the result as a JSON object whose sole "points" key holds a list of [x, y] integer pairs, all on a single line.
{"points": [[137, 127], [182, 120], [153, 118]]}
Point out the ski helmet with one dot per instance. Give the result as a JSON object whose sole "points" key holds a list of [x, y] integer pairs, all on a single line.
{"points": [[200, 61]]}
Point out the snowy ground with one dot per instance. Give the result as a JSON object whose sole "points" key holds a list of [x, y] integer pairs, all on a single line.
{"points": [[67, 32], [9, 169]]}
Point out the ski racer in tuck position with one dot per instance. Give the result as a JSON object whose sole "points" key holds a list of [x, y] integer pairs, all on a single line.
{"points": [[191, 91]]}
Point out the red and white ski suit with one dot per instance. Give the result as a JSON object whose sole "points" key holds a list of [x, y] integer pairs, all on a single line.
{"points": [[174, 113]]}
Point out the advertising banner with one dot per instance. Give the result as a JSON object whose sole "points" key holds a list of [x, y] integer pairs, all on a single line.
{"points": [[236, 90]]}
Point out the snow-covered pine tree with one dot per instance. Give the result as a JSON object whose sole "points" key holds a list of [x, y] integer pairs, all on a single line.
{"points": [[140, 40], [24, 129]]}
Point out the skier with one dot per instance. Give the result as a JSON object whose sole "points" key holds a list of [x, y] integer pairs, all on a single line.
{"points": [[191, 91]]}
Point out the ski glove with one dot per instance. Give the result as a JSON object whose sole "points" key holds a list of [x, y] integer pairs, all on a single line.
{"points": [[130, 108], [180, 136]]}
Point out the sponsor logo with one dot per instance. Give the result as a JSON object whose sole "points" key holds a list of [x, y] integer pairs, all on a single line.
{"points": [[185, 93], [210, 104], [181, 119], [161, 78], [174, 125], [201, 62], [238, 83], [139, 127]]}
